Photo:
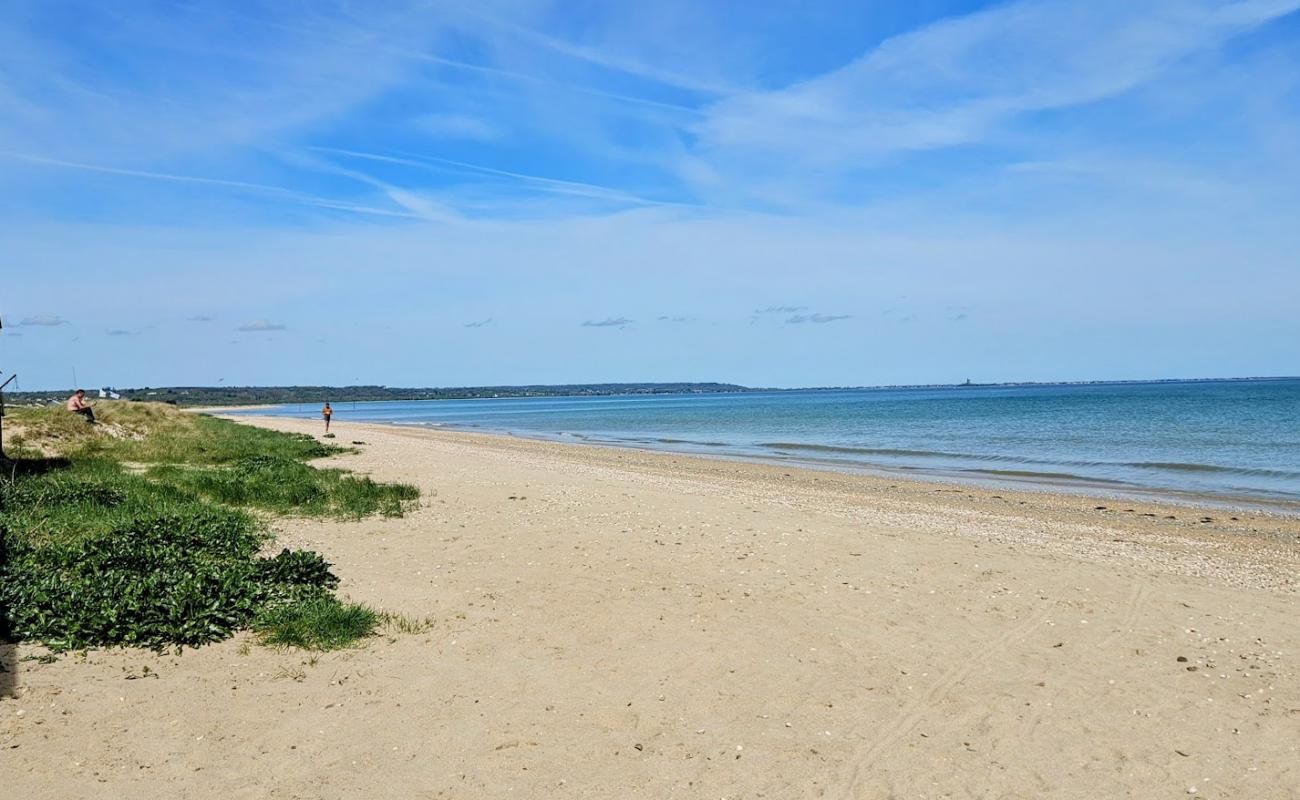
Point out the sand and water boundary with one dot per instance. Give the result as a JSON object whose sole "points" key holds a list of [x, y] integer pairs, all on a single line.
{"points": [[618, 623]]}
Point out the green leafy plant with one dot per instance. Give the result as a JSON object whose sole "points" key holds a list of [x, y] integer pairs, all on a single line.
{"points": [[112, 561], [297, 568]]}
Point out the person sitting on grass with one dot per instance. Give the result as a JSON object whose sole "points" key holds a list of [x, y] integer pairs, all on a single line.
{"points": [[77, 404]]}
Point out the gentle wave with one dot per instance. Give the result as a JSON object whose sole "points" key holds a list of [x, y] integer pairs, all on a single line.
{"points": [[1174, 466], [875, 451], [1039, 475], [892, 451], [1170, 466]]}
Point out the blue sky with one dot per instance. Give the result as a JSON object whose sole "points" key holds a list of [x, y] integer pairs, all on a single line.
{"points": [[776, 194]]}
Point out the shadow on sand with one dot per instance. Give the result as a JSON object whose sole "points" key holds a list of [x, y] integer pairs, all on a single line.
{"points": [[8, 670], [8, 650]]}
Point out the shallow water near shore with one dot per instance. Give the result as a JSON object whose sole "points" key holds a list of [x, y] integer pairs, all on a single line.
{"points": [[1228, 439]]}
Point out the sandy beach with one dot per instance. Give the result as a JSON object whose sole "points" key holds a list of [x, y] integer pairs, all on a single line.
{"points": [[612, 623]]}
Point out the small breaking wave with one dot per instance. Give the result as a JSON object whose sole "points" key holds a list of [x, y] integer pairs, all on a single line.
{"points": [[1158, 466]]}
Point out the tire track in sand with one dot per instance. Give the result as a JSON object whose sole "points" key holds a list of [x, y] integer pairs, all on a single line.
{"points": [[913, 715], [1132, 613], [1133, 608]]}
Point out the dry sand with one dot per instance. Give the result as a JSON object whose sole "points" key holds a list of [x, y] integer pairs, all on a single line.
{"points": [[612, 624]]}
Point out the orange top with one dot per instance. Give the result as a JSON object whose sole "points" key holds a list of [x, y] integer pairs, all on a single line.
{"points": [[327, 410]]}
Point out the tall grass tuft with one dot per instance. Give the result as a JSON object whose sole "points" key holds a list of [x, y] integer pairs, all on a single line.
{"points": [[321, 622]]}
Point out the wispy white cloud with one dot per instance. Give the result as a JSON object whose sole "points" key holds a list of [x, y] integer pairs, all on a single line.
{"points": [[409, 48], [227, 84], [612, 60], [261, 326], [956, 81], [276, 192], [608, 322], [552, 185], [816, 318], [44, 321]]}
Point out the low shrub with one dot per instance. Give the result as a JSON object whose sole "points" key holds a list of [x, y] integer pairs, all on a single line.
{"points": [[96, 556], [184, 574], [295, 568]]}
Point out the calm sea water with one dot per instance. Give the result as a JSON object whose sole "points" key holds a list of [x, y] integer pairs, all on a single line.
{"points": [[1233, 438]]}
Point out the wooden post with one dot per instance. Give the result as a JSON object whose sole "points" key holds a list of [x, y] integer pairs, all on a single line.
{"points": [[2, 416]]}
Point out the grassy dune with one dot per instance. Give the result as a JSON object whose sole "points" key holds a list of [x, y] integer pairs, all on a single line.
{"points": [[149, 433], [137, 531]]}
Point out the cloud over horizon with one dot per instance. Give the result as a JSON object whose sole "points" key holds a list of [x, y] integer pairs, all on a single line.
{"points": [[43, 321], [815, 318], [261, 326]]}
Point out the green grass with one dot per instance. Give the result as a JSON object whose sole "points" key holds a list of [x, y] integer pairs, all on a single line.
{"points": [[322, 622], [155, 434], [87, 499], [94, 554], [286, 486], [98, 556]]}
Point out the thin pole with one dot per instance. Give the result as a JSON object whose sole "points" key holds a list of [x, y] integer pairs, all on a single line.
{"points": [[12, 378]]}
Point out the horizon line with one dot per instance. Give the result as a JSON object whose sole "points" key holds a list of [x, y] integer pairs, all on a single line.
{"points": [[629, 384]]}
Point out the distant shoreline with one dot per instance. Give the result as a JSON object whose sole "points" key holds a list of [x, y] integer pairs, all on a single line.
{"points": [[253, 396]]}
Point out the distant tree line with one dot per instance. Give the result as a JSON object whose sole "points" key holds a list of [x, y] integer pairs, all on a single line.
{"points": [[259, 395]]}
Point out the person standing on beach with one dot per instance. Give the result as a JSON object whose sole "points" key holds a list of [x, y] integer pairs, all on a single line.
{"points": [[327, 412]]}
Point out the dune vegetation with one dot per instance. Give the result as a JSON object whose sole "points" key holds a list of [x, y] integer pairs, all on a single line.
{"points": [[149, 529]]}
